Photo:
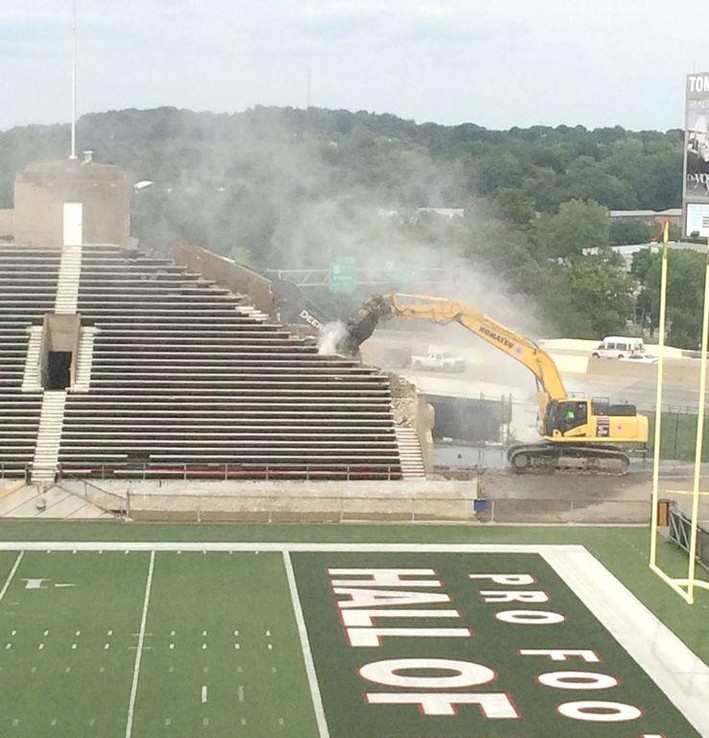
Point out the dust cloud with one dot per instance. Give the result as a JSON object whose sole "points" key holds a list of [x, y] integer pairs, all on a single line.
{"points": [[331, 338], [276, 189]]}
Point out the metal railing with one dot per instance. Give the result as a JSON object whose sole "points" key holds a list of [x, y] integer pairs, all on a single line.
{"points": [[680, 533], [105, 499], [272, 507], [320, 472]]}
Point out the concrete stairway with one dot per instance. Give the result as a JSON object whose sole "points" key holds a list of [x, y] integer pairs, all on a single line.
{"points": [[49, 436], [84, 360], [68, 282], [410, 452], [31, 381]]}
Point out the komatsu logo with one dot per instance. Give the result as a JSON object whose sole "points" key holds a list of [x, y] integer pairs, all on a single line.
{"points": [[502, 340], [698, 82]]}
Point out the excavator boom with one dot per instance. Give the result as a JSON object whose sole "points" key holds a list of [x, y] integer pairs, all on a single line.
{"points": [[522, 349]]}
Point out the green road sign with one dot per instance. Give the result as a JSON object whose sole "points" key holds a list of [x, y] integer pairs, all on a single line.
{"points": [[399, 273], [343, 275]]}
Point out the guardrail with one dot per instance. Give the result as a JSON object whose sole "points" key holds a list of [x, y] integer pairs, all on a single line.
{"points": [[680, 533], [95, 495], [229, 472]]}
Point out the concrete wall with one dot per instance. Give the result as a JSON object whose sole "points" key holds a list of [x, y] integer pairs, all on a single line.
{"points": [[675, 370], [283, 501], [60, 333], [227, 273], [7, 223], [469, 419], [41, 190]]}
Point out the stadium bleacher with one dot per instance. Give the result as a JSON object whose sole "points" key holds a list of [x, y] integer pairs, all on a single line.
{"points": [[176, 376]]}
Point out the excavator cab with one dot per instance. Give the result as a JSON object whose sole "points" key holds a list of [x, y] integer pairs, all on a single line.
{"points": [[566, 418]]}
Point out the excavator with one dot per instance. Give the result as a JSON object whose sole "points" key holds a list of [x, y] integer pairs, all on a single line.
{"points": [[579, 435]]}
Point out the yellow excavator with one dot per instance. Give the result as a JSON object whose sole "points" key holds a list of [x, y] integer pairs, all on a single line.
{"points": [[579, 434]]}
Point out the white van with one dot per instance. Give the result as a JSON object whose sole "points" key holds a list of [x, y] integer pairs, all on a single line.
{"points": [[619, 347]]}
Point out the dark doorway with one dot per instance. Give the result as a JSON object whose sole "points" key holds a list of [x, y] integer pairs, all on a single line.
{"points": [[58, 365]]}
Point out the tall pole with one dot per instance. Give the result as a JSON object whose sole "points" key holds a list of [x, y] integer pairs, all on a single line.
{"points": [[662, 327], [73, 86], [308, 101], [700, 439]]}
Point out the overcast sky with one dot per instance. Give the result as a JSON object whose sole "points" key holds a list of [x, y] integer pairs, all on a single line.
{"points": [[497, 63]]}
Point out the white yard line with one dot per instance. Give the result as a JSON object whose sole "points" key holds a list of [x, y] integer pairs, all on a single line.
{"points": [[307, 653], [278, 547], [139, 652], [682, 676], [11, 575]]}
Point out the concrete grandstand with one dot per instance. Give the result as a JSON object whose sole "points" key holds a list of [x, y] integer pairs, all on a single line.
{"points": [[123, 368]]}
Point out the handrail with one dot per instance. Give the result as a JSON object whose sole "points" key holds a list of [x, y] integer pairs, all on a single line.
{"points": [[265, 472]]}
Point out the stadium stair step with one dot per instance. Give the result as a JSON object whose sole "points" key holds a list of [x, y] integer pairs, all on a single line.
{"points": [[68, 282], [51, 421], [84, 360], [412, 466], [31, 378]]}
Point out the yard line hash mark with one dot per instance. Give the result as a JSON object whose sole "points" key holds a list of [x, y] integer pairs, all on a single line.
{"points": [[204, 693], [139, 651]]}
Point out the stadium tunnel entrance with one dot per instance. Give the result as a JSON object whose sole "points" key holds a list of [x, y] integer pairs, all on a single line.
{"points": [[58, 370], [60, 346]]}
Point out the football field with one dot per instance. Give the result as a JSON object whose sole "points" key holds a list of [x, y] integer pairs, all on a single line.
{"points": [[340, 639]]}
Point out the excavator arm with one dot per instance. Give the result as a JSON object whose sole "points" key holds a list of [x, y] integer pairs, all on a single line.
{"points": [[522, 349], [442, 311]]}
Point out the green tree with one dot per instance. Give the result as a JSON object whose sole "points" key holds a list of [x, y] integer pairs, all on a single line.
{"points": [[589, 298], [628, 231], [577, 226], [585, 179], [514, 205], [685, 294]]}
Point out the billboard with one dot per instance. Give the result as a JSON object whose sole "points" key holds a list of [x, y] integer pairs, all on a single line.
{"points": [[696, 137], [697, 220], [695, 192]]}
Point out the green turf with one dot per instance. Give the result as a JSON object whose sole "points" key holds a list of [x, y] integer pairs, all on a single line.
{"points": [[70, 666], [58, 656], [222, 594], [623, 550], [207, 605]]}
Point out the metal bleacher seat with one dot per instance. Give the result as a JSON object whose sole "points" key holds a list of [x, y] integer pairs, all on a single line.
{"points": [[188, 379], [28, 283]]}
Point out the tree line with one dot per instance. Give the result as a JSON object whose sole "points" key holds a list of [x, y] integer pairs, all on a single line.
{"points": [[294, 188]]}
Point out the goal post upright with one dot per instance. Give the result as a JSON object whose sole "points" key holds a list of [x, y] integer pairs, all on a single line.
{"points": [[683, 586]]}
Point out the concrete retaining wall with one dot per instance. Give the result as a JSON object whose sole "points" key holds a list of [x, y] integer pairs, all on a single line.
{"points": [[273, 502], [675, 370]]}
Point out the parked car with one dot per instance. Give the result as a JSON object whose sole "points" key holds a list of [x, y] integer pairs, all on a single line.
{"points": [[442, 361], [619, 347], [640, 358]]}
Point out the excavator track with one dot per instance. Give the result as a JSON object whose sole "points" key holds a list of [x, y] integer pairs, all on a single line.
{"points": [[554, 458]]}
